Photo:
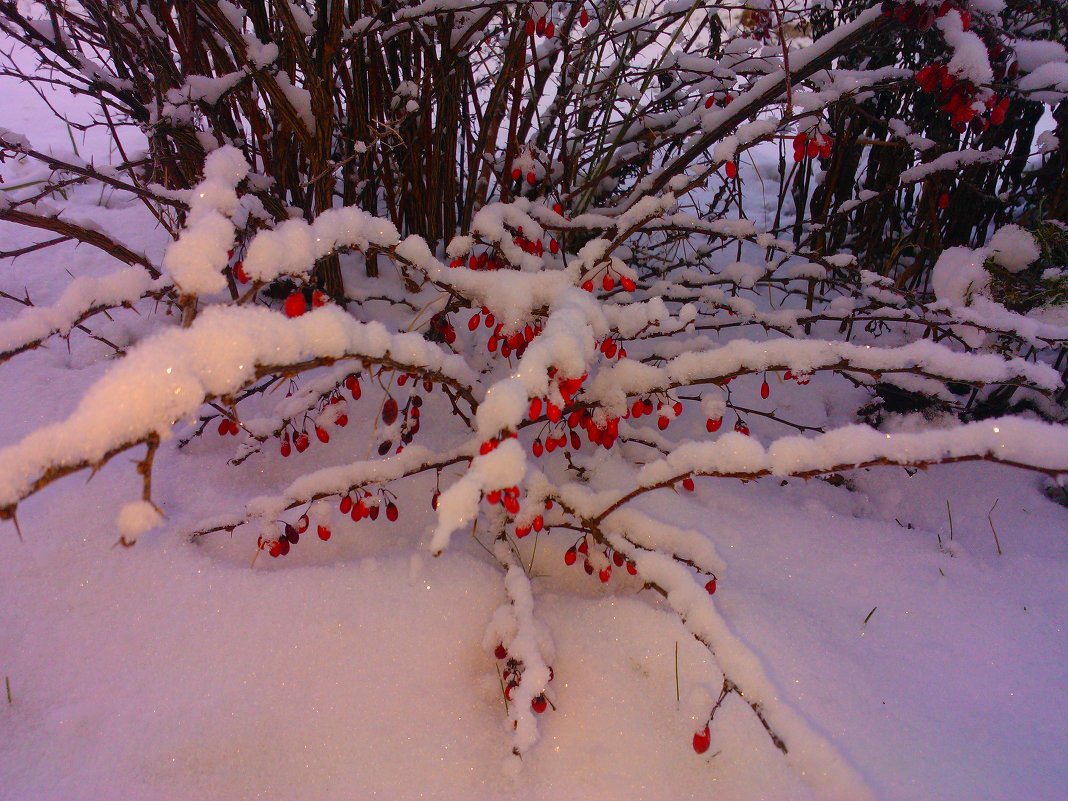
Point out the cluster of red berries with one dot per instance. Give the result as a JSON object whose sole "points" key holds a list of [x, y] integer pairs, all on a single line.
{"points": [[440, 329], [608, 282], [238, 268], [613, 557], [290, 536], [411, 415], [801, 377], [359, 504], [507, 497], [301, 440], [485, 260], [604, 433], [541, 27], [228, 425], [958, 98], [537, 524], [918, 16], [644, 406], [303, 299], [811, 145], [721, 99], [513, 674], [611, 350], [760, 24], [517, 175]]}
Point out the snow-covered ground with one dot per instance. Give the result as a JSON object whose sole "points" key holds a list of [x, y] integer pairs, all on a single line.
{"points": [[355, 668]]}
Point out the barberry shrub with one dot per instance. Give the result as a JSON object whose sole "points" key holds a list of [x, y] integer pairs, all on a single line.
{"points": [[561, 257]]}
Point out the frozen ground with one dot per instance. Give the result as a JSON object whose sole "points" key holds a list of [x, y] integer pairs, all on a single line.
{"points": [[355, 668]]}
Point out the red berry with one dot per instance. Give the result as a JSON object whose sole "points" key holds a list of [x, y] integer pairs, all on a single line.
{"points": [[532, 178], [240, 274], [539, 704], [588, 285], [540, 26], [286, 448], [584, 18], [224, 427], [662, 423], [710, 587], [302, 524], [373, 512], [570, 556], [346, 505], [712, 426], [319, 299], [275, 549], [628, 284], [605, 574], [322, 434], [342, 420], [530, 28], [324, 532], [632, 568], [765, 390], [538, 523], [392, 512], [295, 305], [500, 651], [702, 740], [516, 172], [943, 200], [302, 442], [687, 484], [732, 170], [608, 282], [537, 449], [389, 411]]}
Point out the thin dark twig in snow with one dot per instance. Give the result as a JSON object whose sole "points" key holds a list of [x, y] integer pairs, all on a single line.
{"points": [[990, 519]]}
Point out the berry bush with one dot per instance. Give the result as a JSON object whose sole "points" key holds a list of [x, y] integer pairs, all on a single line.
{"points": [[562, 257]]}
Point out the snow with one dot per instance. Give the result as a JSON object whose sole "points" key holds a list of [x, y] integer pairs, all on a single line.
{"points": [[898, 655], [196, 260], [1014, 248], [1001, 439], [167, 377], [82, 295], [959, 275], [137, 517], [1032, 54], [970, 60]]}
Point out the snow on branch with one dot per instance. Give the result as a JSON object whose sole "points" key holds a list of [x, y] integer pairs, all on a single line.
{"points": [[166, 379], [82, 298], [1009, 440], [926, 359]]}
